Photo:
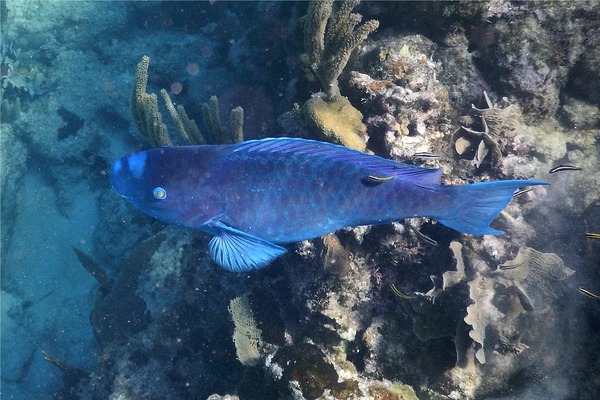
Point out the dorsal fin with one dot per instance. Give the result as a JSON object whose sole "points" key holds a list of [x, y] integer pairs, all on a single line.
{"points": [[374, 165]]}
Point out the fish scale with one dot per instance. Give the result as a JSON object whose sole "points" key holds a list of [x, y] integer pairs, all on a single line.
{"points": [[255, 195], [331, 195]]}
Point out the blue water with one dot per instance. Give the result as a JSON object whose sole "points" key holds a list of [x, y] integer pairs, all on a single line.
{"points": [[161, 326]]}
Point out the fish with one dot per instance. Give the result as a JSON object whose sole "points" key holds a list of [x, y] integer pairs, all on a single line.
{"points": [[588, 293], [425, 155], [423, 236], [590, 235], [521, 192], [564, 168], [258, 195], [399, 293]]}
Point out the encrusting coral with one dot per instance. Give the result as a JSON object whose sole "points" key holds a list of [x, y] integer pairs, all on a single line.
{"points": [[407, 107], [335, 120]]}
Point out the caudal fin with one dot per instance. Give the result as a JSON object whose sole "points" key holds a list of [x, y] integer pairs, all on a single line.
{"points": [[478, 204]]}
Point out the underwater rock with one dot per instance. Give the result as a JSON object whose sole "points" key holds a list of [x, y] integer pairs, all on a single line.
{"points": [[580, 114], [335, 120], [13, 166], [304, 368], [408, 107], [337, 258], [121, 312], [585, 80], [535, 50]]}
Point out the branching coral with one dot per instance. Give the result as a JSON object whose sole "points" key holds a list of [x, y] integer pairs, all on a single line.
{"points": [[330, 36], [149, 121], [145, 109], [217, 132]]}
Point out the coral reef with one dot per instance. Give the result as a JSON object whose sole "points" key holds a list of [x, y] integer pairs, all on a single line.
{"points": [[144, 108], [511, 308], [497, 132], [407, 106], [486, 90]]}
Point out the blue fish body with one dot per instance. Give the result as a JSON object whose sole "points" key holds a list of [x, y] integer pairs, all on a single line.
{"points": [[255, 195]]}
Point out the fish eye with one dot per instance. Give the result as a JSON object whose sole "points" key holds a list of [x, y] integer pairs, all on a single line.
{"points": [[159, 193]]}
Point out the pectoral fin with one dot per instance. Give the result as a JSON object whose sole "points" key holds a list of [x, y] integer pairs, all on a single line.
{"points": [[239, 251]]}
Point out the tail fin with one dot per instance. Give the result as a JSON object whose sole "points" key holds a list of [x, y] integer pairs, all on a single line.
{"points": [[478, 204]]}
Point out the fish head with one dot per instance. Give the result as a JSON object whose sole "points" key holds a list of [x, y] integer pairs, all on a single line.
{"points": [[165, 184]]}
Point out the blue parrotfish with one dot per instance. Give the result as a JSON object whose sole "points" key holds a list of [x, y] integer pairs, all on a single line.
{"points": [[256, 195]]}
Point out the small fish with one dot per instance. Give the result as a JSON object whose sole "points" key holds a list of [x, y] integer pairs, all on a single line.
{"points": [[399, 293], [507, 266], [590, 235], [588, 293], [425, 155], [564, 168], [521, 192], [423, 237], [256, 195]]}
